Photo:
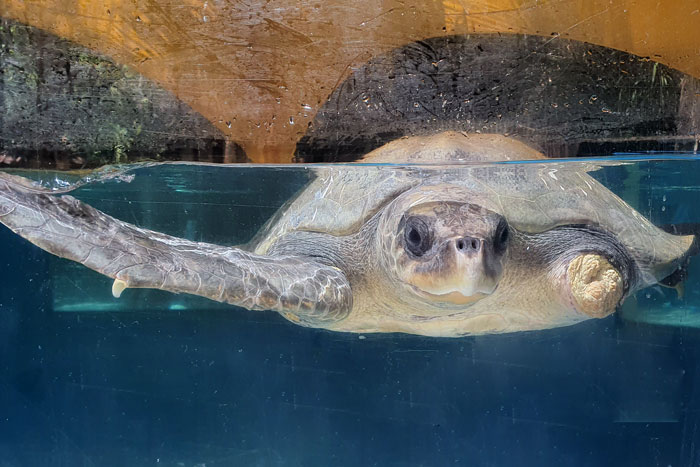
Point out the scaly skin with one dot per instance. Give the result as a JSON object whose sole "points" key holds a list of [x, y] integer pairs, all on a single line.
{"points": [[302, 290]]}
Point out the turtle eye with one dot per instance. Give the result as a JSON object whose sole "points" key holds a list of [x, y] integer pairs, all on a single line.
{"points": [[501, 237], [417, 238]]}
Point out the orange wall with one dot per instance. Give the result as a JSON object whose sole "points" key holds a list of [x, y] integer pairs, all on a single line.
{"points": [[254, 67]]}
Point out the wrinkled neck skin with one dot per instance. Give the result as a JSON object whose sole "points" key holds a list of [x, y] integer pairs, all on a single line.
{"points": [[353, 254], [532, 294]]}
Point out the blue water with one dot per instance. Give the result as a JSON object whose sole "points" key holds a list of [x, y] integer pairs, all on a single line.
{"points": [[159, 379]]}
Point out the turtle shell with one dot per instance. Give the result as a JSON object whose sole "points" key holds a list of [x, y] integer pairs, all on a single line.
{"points": [[533, 196]]}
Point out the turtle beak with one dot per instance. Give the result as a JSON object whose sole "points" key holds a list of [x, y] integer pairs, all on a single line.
{"points": [[466, 258], [475, 253]]}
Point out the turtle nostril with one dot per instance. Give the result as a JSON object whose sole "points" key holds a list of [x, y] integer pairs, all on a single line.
{"points": [[468, 244]]}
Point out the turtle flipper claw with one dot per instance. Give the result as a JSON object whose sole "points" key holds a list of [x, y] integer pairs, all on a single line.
{"points": [[118, 287]]}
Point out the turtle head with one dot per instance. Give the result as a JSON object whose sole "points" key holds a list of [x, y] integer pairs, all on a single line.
{"points": [[445, 250]]}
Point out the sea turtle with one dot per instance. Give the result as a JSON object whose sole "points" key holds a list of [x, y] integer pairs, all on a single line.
{"points": [[441, 250]]}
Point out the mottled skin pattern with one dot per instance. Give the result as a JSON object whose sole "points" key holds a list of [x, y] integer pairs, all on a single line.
{"points": [[440, 251], [143, 258]]}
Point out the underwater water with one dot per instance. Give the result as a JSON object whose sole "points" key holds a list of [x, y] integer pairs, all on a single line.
{"points": [[159, 379]]}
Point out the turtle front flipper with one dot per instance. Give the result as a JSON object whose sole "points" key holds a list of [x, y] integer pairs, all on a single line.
{"points": [[303, 291]]}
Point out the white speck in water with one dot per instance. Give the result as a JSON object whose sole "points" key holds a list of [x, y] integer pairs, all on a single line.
{"points": [[663, 208], [228, 124], [205, 18], [291, 120], [663, 198], [306, 106], [648, 295], [361, 337]]}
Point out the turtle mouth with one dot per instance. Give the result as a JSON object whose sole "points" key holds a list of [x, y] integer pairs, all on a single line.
{"points": [[453, 297]]}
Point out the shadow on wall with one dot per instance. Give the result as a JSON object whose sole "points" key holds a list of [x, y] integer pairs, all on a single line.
{"points": [[569, 98], [65, 107]]}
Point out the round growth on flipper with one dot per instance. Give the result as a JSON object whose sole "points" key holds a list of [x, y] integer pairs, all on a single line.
{"points": [[595, 285]]}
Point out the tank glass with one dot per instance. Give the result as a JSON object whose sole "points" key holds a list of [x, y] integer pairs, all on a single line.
{"points": [[202, 119], [154, 377]]}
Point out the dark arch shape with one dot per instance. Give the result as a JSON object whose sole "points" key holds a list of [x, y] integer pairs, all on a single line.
{"points": [[567, 97]]}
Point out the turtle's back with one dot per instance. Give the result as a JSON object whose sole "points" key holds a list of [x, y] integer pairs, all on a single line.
{"points": [[533, 197], [338, 201], [341, 198]]}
